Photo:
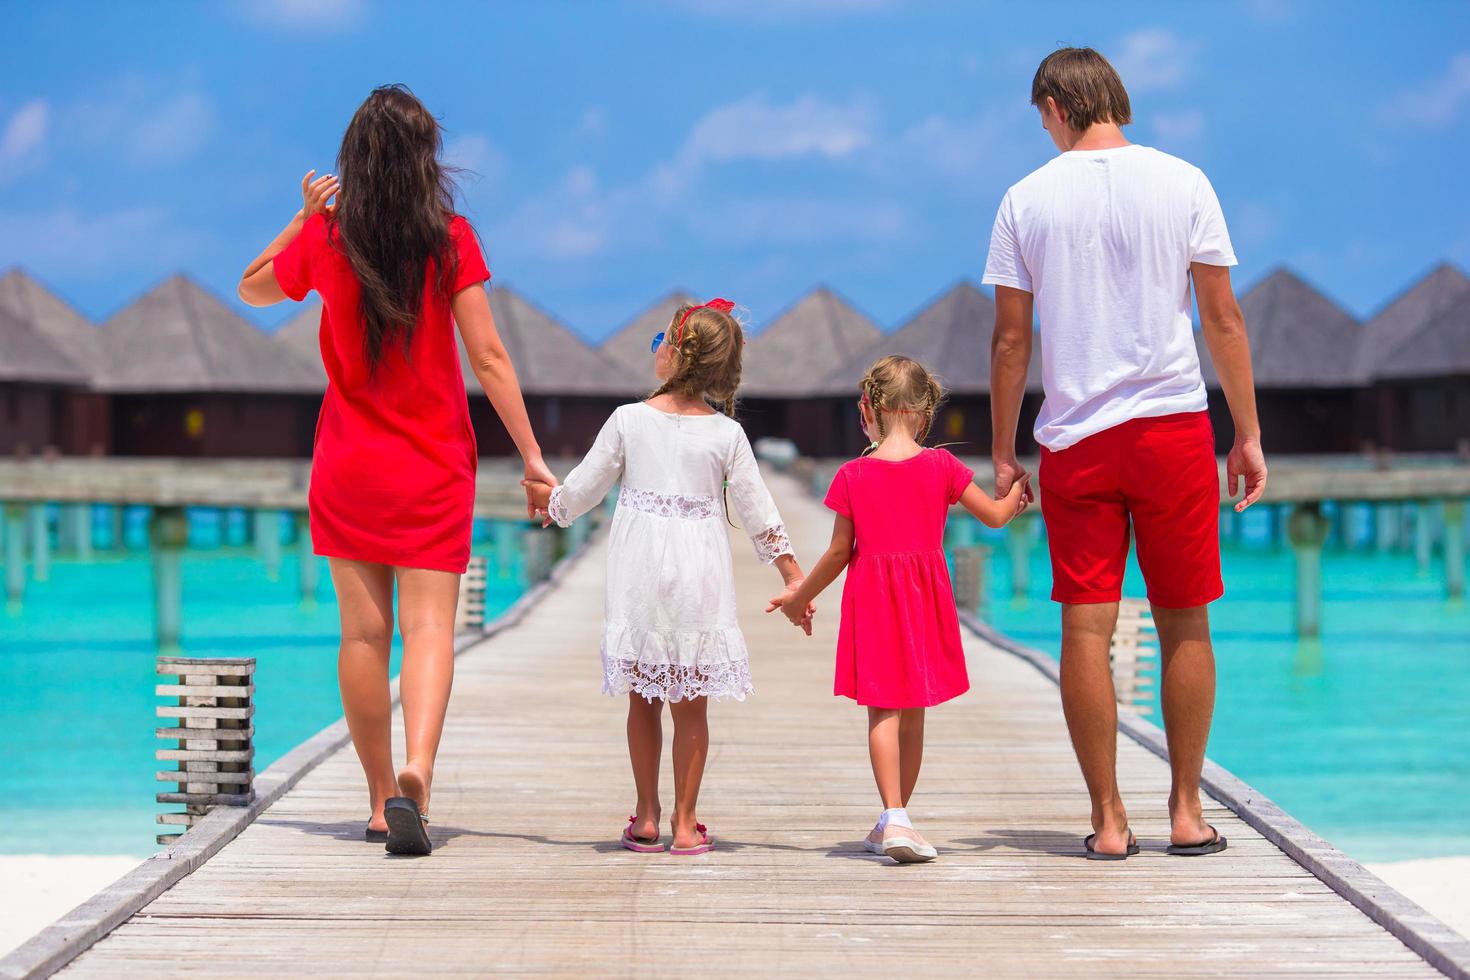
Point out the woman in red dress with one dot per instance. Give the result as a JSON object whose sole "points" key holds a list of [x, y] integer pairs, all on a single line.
{"points": [[393, 467]]}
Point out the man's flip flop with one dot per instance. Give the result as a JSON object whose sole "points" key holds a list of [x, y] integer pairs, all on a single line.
{"points": [[407, 827], [641, 845], [703, 847], [1214, 845], [1103, 855]]}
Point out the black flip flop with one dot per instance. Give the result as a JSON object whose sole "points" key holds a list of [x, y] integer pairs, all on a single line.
{"points": [[407, 833], [1214, 845], [374, 836], [1104, 856]]}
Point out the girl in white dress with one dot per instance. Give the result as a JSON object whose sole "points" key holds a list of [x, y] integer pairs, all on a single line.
{"points": [[670, 634]]}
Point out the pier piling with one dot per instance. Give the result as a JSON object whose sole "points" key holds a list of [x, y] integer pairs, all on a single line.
{"points": [[265, 527], [306, 557], [15, 560], [1454, 548], [168, 531], [214, 737], [1018, 544], [40, 543], [1307, 530]]}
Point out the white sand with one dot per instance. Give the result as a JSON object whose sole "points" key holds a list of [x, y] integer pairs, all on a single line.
{"points": [[41, 888], [1440, 885]]}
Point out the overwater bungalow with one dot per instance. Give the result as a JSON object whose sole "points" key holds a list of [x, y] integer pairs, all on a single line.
{"points": [[35, 379], [1304, 352], [1416, 350], [188, 376], [570, 389], [300, 334], [785, 392], [78, 425], [629, 345]]}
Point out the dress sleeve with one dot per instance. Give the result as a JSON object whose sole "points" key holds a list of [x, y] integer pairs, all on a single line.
{"points": [[1005, 265], [589, 482], [960, 477], [837, 498], [754, 505], [1209, 239], [469, 267], [293, 264]]}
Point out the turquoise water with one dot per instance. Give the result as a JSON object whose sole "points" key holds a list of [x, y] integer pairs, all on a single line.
{"points": [[1363, 735], [77, 679]]}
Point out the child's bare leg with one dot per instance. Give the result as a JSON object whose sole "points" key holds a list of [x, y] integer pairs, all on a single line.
{"points": [[645, 747], [691, 748], [883, 750], [910, 749]]}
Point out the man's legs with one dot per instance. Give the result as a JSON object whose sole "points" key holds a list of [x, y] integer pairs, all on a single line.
{"points": [[1091, 710], [1188, 698]]}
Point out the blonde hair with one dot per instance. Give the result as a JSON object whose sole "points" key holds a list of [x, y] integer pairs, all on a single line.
{"points": [[709, 351], [901, 384]]}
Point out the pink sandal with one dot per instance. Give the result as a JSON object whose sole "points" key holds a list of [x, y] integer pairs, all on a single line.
{"points": [[703, 847], [637, 844]]}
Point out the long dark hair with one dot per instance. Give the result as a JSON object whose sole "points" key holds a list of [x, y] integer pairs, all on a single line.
{"points": [[393, 214]]}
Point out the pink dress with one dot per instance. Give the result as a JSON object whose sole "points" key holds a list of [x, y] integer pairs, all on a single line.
{"points": [[899, 642]]}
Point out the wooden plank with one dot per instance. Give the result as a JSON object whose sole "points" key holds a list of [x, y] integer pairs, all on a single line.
{"points": [[205, 799], [204, 755], [182, 732], [204, 711], [181, 776], [206, 690]]}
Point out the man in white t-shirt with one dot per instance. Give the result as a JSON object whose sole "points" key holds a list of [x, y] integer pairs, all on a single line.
{"points": [[1103, 242]]}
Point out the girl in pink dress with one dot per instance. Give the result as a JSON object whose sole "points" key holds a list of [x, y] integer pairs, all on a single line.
{"points": [[898, 647]]}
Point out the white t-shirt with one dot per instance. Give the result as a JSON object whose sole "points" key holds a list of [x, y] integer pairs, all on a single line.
{"points": [[1103, 239]]}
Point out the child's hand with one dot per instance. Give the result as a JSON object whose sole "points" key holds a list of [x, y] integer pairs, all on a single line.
{"points": [[793, 612], [1015, 501], [539, 494]]}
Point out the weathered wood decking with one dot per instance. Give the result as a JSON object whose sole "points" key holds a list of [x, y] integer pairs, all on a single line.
{"points": [[532, 790]]}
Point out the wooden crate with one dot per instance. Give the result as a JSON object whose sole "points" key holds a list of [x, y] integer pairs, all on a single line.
{"points": [[469, 615], [1134, 655], [214, 747]]}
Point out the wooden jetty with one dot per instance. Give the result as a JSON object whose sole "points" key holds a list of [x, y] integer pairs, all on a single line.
{"points": [[532, 791]]}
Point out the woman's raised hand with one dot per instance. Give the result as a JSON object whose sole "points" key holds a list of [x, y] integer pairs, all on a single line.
{"points": [[316, 193]]}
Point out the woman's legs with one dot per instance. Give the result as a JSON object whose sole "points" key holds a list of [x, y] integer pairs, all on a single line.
{"points": [[691, 748], [426, 604], [910, 749], [884, 750], [365, 604], [645, 747]]}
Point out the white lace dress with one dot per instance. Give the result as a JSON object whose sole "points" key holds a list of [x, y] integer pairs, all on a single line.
{"points": [[670, 631]]}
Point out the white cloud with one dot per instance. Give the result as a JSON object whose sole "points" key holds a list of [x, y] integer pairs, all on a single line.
{"points": [[754, 129], [145, 122], [69, 241], [1438, 102], [475, 153], [788, 220], [594, 121], [1153, 59], [304, 15], [994, 144], [22, 138], [1180, 128], [172, 130]]}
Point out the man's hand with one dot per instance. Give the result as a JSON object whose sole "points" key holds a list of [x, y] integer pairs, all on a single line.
{"points": [[1246, 462], [1008, 471]]}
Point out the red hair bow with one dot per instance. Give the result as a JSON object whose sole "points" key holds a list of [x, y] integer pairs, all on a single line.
{"points": [[723, 305]]}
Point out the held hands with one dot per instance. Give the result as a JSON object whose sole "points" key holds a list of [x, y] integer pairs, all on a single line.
{"points": [[797, 615], [316, 193], [1246, 462], [1009, 472], [1018, 497], [538, 498]]}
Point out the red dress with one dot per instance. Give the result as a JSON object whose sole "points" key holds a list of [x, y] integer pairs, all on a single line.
{"points": [[393, 463], [898, 645]]}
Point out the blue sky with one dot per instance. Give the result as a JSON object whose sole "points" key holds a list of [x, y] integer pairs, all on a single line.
{"points": [[750, 148]]}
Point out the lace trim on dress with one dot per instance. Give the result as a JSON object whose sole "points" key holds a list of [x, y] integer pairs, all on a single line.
{"points": [[689, 507], [678, 682], [772, 543], [556, 509]]}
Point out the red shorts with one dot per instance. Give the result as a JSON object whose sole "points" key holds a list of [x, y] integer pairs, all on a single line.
{"points": [[1161, 474]]}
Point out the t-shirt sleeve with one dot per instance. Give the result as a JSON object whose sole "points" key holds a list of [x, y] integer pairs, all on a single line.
{"points": [[470, 265], [293, 264], [1005, 265], [960, 477], [1209, 239], [837, 497]]}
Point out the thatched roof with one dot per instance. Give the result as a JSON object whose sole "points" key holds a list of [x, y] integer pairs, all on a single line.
{"points": [[951, 336], [301, 335], [793, 355], [1415, 334], [629, 344], [25, 355], [178, 337], [1299, 338], [63, 328], [549, 358]]}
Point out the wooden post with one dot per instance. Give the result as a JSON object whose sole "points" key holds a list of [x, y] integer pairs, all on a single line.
{"points": [[81, 529], [214, 737], [469, 613], [168, 531], [117, 522], [1018, 544], [40, 543], [1386, 526], [1129, 654], [1423, 536], [969, 578], [1307, 530], [1454, 548], [265, 527], [306, 558], [15, 560], [505, 548], [536, 544]]}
